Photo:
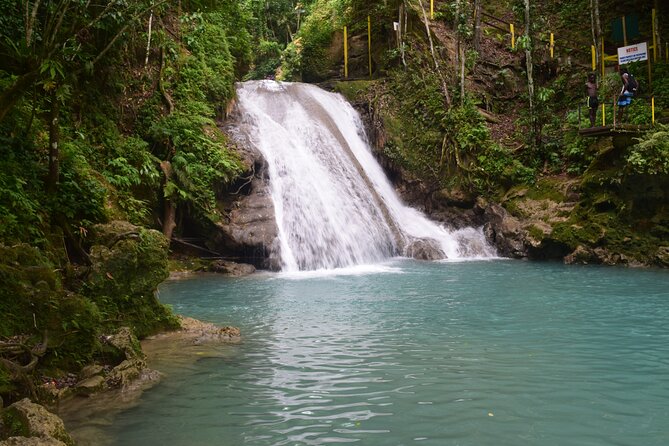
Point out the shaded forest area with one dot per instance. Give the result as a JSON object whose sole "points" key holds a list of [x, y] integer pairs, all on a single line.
{"points": [[110, 136]]}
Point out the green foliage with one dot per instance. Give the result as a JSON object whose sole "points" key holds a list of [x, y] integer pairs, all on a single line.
{"points": [[81, 195], [207, 73], [201, 160], [22, 216], [660, 88], [307, 57], [487, 164], [651, 154], [267, 60]]}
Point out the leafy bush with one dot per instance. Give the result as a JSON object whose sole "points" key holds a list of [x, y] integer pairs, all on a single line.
{"points": [[651, 154], [81, 195]]}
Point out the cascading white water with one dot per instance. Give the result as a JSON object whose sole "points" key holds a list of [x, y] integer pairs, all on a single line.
{"points": [[334, 205]]}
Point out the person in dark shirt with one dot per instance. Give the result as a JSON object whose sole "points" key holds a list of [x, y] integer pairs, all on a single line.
{"points": [[591, 93]]}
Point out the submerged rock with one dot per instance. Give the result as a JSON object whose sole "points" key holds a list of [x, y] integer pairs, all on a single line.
{"points": [[198, 332]]}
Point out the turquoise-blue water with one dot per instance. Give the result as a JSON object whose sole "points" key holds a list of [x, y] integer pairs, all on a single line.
{"points": [[472, 353]]}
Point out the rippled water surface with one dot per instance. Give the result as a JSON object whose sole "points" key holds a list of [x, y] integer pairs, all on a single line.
{"points": [[472, 353]]}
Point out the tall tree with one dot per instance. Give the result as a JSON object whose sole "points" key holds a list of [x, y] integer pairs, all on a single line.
{"points": [[528, 58], [52, 44], [596, 28]]}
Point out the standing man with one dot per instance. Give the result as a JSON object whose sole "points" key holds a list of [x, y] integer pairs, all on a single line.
{"points": [[593, 102], [630, 86]]}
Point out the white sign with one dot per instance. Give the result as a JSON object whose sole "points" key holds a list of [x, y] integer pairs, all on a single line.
{"points": [[632, 53], [396, 26]]}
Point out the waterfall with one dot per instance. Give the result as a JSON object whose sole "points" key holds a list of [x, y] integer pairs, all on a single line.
{"points": [[334, 205]]}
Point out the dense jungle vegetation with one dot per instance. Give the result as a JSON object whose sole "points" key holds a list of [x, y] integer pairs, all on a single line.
{"points": [[110, 111]]}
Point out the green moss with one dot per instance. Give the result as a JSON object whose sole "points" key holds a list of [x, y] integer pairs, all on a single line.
{"points": [[535, 232], [546, 189], [6, 385], [13, 425], [123, 296], [353, 90]]}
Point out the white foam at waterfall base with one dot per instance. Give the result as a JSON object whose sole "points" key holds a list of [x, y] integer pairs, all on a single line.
{"points": [[334, 206]]}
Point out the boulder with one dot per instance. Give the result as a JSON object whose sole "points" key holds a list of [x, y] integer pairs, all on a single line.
{"points": [[125, 342], [581, 255], [27, 419], [231, 268], [90, 385], [505, 232], [662, 256], [424, 249], [119, 250], [199, 332]]}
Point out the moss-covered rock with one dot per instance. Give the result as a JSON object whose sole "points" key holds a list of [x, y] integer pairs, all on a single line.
{"points": [[27, 419], [119, 251]]}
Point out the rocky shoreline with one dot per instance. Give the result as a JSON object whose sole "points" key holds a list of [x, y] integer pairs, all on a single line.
{"points": [[100, 388]]}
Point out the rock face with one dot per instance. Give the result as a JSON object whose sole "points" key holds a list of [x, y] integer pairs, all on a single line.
{"points": [[27, 423], [250, 233], [505, 232]]}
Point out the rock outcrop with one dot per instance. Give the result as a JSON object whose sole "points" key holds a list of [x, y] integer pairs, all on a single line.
{"points": [[26, 423], [249, 232]]}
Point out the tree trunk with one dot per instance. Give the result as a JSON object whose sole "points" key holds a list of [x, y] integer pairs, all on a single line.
{"points": [[596, 33], [462, 74], [477, 25], [444, 86], [456, 28], [148, 41], [54, 149], [528, 59], [170, 211]]}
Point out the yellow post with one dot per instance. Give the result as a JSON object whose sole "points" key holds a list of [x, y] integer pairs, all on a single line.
{"points": [[513, 36], [552, 44], [654, 39], [624, 32], [650, 74], [369, 44], [345, 53], [652, 109], [432, 10], [666, 51], [603, 115], [593, 52], [603, 73]]}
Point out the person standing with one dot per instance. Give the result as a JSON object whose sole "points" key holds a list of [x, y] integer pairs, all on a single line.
{"points": [[626, 93], [593, 101]]}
